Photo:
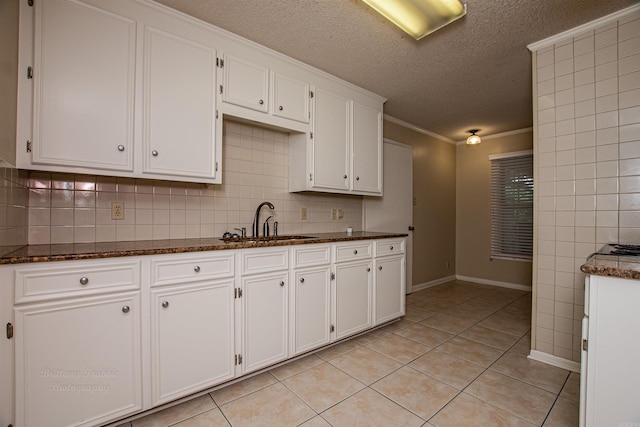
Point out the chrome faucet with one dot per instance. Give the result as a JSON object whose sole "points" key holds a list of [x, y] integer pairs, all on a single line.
{"points": [[256, 220]]}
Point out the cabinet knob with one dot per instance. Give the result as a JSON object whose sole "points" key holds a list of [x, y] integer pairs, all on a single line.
{"points": [[261, 102], [84, 280], [282, 283], [125, 309], [379, 267], [302, 280], [165, 304], [368, 269], [391, 248], [357, 178], [196, 269], [154, 153], [281, 108], [355, 252], [120, 147], [344, 176]]}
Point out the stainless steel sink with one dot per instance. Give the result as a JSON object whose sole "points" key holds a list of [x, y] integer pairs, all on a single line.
{"points": [[262, 239]]}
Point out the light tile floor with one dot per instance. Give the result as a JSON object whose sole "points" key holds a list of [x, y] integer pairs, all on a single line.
{"points": [[458, 358]]}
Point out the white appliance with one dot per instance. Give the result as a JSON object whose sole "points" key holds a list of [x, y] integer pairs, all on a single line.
{"points": [[610, 366]]}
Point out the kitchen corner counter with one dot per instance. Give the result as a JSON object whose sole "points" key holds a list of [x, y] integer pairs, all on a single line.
{"points": [[78, 251], [624, 267]]}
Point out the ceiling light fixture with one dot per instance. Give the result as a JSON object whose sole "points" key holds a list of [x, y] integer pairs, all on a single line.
{"points": [[473, 138], [419, 18]]}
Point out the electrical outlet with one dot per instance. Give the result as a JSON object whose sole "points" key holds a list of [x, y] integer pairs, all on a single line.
{"points": [[340, 214], [334, 214], [303, 213], [117, 210]]}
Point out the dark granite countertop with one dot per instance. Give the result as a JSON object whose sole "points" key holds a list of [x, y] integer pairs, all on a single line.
{"points": [[625, 267], [76, 251]]}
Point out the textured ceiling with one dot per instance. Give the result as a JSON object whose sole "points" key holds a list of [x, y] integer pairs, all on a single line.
{"points": [[473, 73]]}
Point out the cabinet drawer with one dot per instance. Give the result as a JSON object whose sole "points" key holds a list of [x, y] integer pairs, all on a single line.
{"points": [[172, 269], [352, 251], [390, 247], [73, 278], [264, 260], [309, 255]]}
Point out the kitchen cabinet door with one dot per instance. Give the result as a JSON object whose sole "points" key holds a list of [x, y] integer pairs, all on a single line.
{"points": [[78, 361], [181, 134], [84, 82], [310, 323], [192, 341], [290, 98], [353, 297], [389, 289], [245, 84], [366, 159], [265, 320], [330, 159]]}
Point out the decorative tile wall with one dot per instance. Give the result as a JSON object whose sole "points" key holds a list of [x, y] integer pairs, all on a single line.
{"points": [[13, 209], [77, 208], [588, 168]]}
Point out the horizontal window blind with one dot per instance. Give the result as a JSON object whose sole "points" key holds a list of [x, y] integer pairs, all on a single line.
{"points": [[512, 206]]}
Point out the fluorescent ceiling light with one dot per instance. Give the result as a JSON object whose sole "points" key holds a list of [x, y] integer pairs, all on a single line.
{"points": [[419, 18]]}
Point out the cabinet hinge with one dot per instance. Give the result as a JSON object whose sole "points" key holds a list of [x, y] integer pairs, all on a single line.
{"points": [[238, 293], [310, 177], [28, 146], [219, 62], [332, 328], [9, 331], [585, 345], [216, 166], [29, 72], [216, 114], [238, 359], [333, 276], [311, 135], [220, 89], [311, 94]]}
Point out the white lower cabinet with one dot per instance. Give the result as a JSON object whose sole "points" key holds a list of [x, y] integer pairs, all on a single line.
{"points": [[353, 294], [192, 341], [390, 280], [78, 361], [311, 308]]}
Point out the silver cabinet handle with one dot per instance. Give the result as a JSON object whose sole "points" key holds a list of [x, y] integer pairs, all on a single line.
{"points": [[281, 108], [154, 153], [379, 267], [282, 283], [390, 248], [120, 147], [84, 280], [165, 304], [196, 269], [261, 102], [355, 252], [302, 280], [125, 309]]}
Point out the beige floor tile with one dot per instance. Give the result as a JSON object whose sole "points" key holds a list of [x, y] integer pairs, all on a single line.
{"points": [[271, 406], [531, 372], [369, 409], [571, 389], [463, 313], [523, 346], [522, 400], [212, 418], [323, 386], [399, 348], [479, 307], [448, 323], [472, 351], [316, 421], [565, 413], [337, 350], [242, 388], [416, 315], [295, 367], [177, 413], [521, 304], [508, 321], [424, 334], [365, 365], [371, 336], [419, 393], [396, 326], [468, 411], [489, 337], [448, 368]]}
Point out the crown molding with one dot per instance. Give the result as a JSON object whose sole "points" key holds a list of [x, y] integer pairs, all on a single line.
{"points": [[499, 135], [417, 129]]}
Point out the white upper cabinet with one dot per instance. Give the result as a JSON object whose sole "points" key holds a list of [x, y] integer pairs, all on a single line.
{"points": [[290, 98], [179, 106], [84, 83], [245, 84], [366, 153]]}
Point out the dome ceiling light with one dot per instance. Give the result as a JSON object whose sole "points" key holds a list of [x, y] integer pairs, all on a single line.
{"points": [[473, 138]]}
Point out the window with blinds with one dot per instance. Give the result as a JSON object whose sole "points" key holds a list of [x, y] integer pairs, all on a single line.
{"points": [[512, 205]]}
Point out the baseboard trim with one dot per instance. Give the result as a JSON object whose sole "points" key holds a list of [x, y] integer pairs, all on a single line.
{"points": [[432, 283], [556, 361], [493, 283]]}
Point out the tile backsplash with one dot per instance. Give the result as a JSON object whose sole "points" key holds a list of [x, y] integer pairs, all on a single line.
{"points": [[68, 208], [13, 209]]}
